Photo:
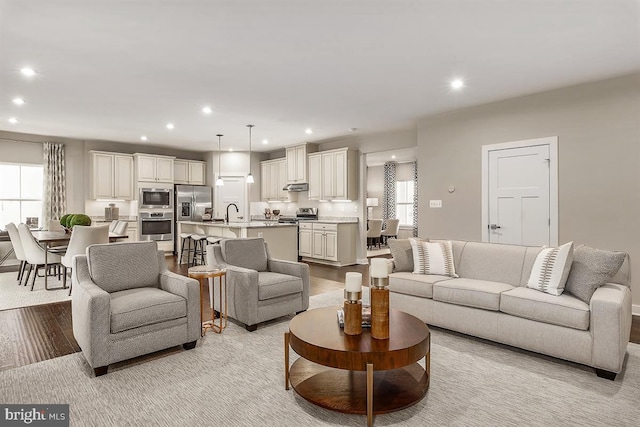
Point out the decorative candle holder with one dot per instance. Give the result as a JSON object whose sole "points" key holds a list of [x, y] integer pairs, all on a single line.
{"points": [[380, 308], [352, 313]]}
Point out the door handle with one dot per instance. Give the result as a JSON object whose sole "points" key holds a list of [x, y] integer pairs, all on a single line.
{"points": [[494, 226]]}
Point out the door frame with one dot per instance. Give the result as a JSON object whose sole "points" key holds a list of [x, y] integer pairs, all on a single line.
{"points": [[552, 142]]}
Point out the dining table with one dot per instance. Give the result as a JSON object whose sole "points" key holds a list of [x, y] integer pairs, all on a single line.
{"points": [[47, 238]]}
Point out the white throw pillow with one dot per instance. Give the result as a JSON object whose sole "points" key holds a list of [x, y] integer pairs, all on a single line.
{"points": [[433, 258], [551, 269]]}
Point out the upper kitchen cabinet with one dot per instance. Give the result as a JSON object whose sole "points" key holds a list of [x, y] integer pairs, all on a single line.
{"points": [[333, 175], [150, 168], [111, 175], [190, 172], [297, 163], [273, 179]]}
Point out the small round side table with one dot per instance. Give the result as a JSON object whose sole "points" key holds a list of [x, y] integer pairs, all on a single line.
{"points": [[202, 273]]}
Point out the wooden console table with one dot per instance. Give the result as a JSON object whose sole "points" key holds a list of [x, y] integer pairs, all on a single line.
{"points": [[358, 374]]}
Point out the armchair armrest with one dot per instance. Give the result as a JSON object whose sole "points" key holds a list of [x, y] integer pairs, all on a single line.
{"points": [[91, 311], [242, 285], [293, 268], [189, 289], [610, 325]]}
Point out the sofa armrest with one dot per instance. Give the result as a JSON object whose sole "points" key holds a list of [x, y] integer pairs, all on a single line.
{"points": [[293, 268], [189, 289], [242, 291], [91, 314], [610, 326]]}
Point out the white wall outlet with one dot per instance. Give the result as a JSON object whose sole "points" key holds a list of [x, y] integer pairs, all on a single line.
{"points": [[435, 203], [355, 209]]}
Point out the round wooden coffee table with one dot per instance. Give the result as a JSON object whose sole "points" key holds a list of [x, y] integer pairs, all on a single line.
{"points": [[357, 374]]}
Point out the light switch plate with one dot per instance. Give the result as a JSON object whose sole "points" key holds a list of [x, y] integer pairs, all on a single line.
{"points": [[435, 203]]}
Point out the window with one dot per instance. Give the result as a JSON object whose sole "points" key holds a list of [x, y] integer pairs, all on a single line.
{"points": [[404, 202], [20, 193]]}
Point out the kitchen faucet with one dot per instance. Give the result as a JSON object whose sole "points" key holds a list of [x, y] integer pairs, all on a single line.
{"points": [[226, 218]]}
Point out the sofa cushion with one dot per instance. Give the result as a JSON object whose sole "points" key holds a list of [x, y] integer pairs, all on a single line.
{"points": [[591, 269], [433, 258], [119, 266], [274, 285], [492, 262], [402, 254], [470, 292], [246, 253], [551, 269], [562, 310], [133, 308], [420, 285]]}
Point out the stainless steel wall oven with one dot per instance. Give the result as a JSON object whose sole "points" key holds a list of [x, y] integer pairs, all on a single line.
{"points": [[156, 226]]}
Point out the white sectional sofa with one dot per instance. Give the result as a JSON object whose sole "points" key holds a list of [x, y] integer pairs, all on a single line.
{"points": [[490, 300]]}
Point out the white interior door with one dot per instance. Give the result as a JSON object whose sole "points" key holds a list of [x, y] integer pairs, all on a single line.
{"points": [[519, 196], [234, 190]]}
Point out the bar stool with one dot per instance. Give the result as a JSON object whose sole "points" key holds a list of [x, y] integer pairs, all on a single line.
{"points": [[199, 237], [186, 237]]}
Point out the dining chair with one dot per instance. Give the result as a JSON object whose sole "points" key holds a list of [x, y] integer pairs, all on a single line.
{"points": [[81, 238], [54, 225], [14, 236], [391, 230], [121, 228], [34, 253], [373, 233], [113, 225]]}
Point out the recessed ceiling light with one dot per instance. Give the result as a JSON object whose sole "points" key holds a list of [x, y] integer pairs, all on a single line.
{"points": [[207, 110], [393, 157], [265, 141], [13, 120], [457, 84], [29, 72], [308, 131], [170, 126], [143, 138], [231, 149], [18, 101]]}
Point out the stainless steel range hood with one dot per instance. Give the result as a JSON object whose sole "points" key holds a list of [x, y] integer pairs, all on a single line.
{"points": [[296, 187]]}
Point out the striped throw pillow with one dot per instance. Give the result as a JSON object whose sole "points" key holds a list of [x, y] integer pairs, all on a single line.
{"points": [[551, 269], [433, 258]]}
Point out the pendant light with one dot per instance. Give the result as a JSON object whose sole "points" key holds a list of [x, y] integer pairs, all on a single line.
{"points": [[219, 181], [250, 177]]}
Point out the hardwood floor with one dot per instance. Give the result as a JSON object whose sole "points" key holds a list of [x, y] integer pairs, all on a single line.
{"points": [[34, 334]]}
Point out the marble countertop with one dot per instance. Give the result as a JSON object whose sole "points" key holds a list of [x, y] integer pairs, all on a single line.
{"points": [[122, 218], [252, 224]]}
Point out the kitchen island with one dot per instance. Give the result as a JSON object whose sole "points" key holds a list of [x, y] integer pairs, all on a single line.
{"points": [[282, 239]]}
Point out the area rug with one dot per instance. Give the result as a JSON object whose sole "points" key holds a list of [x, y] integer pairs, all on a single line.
{"points": [[14, 296], [237, 379]]}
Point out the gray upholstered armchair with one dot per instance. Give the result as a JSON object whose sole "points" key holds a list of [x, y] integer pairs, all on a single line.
{"points": [[126, 303], [260, 288]]}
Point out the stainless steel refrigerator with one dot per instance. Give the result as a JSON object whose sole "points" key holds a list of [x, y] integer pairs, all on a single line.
{"points": [[190, 204]]}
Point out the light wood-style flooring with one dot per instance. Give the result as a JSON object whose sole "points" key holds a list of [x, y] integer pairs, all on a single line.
{"points": [[44, 332]]}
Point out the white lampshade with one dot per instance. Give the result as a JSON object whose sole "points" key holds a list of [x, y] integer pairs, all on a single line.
{"points": [[219, 182], [372, 201]]}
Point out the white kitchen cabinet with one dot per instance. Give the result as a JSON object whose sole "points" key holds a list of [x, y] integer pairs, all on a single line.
{"points": [[328, 243], [333, 175], [305, 234], [297, 163], [191, 172], [273, 178], [111, 176], [150, 168]]}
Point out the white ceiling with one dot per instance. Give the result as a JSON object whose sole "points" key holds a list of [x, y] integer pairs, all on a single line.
{"points": [[116, 70]]}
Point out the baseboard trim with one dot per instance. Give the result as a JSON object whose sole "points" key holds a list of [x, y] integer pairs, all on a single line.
{"points": [[362, 261], [635, 309]]}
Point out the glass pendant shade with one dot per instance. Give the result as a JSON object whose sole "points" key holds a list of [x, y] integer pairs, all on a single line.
{"points": [[250, 177], [219, 181]]}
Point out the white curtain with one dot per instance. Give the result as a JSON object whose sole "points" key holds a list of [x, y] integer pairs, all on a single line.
{"points": [[415, 200], [54, 203]]}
